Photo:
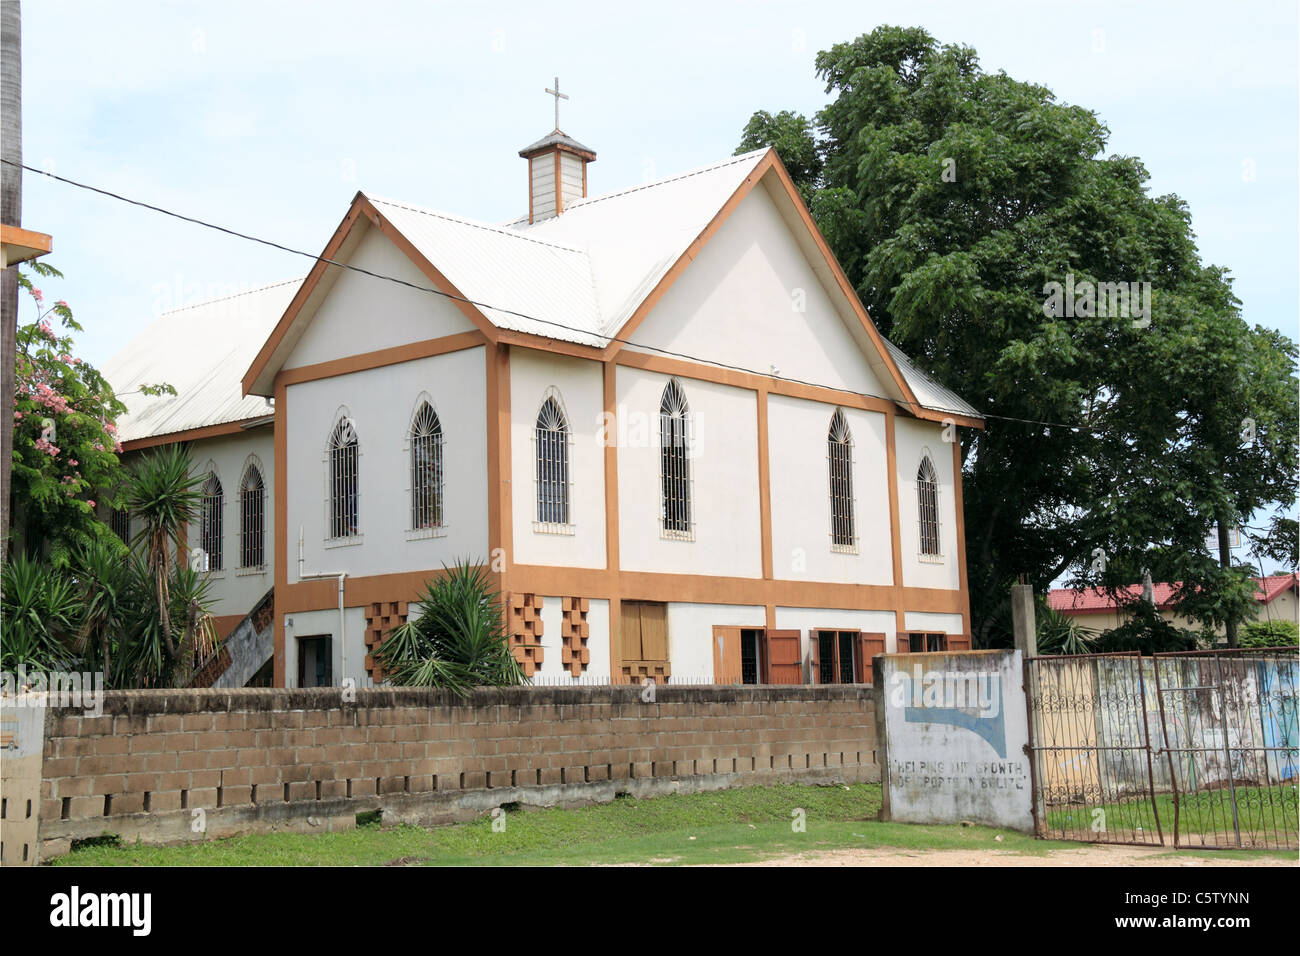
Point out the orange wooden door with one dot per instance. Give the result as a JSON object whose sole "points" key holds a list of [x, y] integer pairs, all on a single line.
{"points": [[784, 660], [869, 645], [726, 655]]}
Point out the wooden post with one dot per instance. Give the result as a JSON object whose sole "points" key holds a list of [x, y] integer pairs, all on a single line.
{"points": [[11, 211], [1022, 619]]}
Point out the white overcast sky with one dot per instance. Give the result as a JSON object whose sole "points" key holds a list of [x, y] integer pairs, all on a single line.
{"points": [[267, 117]]}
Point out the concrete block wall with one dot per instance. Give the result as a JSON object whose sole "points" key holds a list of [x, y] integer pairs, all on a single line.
{"points": [[173, 766]]}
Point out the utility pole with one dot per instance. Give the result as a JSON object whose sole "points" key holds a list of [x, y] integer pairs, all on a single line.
{"points": [[11, 214]]}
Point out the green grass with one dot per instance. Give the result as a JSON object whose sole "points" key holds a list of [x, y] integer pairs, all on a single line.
{"points": [[1264, 813], [730, 826]]}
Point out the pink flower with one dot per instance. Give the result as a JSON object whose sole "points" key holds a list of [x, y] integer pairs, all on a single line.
{"points": [[72, 462], [91, 503], [18, 414], [38, 295], [62, 304]]}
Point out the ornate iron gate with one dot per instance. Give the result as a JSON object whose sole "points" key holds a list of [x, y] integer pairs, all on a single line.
{"points": [[1195, 749]]}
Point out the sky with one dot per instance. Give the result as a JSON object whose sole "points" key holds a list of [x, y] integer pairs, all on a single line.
{"points": [[267, 117]]}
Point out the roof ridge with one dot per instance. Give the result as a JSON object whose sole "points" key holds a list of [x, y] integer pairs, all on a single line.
{"points": [[233, 295], [477, 224], [729, 161]]}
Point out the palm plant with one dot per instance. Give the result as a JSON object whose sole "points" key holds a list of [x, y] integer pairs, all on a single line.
{"points": [[1059, 633], [145, 660], [108, 598], [38, 612], [457, 640], [165, 497]]}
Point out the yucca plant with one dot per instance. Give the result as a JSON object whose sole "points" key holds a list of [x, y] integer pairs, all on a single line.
{"points": [[163, 495], [1059, 633], [38, 616], [109, 601], [146, 660], [457, 638]]}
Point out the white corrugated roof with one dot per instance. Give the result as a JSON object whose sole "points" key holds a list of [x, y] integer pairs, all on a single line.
{"points": [[201, 351], [929, 392]]}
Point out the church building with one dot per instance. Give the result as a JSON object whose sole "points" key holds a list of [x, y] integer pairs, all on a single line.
{"points": [[660, 416]]}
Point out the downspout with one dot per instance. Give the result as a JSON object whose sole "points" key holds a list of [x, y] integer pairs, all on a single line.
{"points": [[343, 633]]}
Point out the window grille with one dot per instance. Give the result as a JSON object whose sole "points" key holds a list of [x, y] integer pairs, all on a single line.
{"points": [[426, 470], [343, 456], [552, 447], [252, 518], [120, 522], [674, 462], [210, 509], [839, 455], [927, 496]]}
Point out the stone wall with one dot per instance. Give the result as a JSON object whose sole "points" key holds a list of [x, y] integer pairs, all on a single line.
{"points": [[172, 766]]}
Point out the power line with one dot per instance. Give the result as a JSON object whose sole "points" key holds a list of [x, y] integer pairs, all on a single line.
{"points": [[521, 315]]}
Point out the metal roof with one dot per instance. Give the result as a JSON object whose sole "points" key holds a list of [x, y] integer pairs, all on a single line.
{"points": [[928, 391], [201, 351], [556, 138]]}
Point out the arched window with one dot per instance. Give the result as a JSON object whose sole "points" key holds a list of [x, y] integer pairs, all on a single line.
{"points": [[252, 517], [839, 458], [210, 508], [675, 461], [552, 440], [426, 469], [342, 461], [927, 499]]}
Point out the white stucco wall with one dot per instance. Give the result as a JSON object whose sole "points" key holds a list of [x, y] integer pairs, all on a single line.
{"points": [[724, 476], [362, 313], [800, 491], [579, 384], [326, 623], [912, 438], [381, 402], [751, 298], [553, 670], [234, 590], [932, 623]]}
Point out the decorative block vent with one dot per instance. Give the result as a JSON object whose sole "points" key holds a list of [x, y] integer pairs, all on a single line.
{"points": [[635, 672], [524, 623], [381, 617], [574, 631]]}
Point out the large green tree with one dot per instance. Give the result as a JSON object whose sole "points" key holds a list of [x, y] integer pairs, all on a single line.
{"points": [[977, 217]]}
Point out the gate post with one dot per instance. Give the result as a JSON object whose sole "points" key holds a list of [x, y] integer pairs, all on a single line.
{"points": [[1022, 619]]}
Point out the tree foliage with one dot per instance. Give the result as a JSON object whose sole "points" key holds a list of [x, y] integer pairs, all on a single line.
{"points": [[1117, 438]]}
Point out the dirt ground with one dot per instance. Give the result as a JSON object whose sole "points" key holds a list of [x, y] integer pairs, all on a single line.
{"points": [[1083, 856]]}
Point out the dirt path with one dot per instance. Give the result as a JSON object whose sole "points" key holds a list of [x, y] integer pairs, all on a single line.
{"points": [[1083, 856]]}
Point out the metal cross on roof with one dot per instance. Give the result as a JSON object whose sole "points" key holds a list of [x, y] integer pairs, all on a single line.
{"points": [[558, 96]]}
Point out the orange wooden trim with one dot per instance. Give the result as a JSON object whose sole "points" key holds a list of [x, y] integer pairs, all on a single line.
{"points": [[302, 295], [500, 512], [602, 583], [584, 179], [281, 527], [737, 379], [961, 535], [529, 163], [559, 191], [764, 485], [381, 358], [37, 243], [930, 415], [430, 271], [586, 154], [225, 623], [541, 343], [610, 387], [895, 534], [190, 434], [685, 259], [769, 613]]}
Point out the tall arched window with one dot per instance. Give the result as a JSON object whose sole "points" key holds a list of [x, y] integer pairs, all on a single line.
{"points": [[552, 440], [210, 508], [675, 460], [426, 469], [927, 498], [252, 517], [839, 458], [342, 461]]}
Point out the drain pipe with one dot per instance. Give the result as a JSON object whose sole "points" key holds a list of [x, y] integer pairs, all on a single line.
{"points": [[343, 631]]}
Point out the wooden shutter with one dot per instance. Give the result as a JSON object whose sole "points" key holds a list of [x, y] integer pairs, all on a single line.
{"points": [[869, 645], [814, 657], [726, 655], [958, 642], [654, 632], [903, 643], [784, 659], [630, 639]]}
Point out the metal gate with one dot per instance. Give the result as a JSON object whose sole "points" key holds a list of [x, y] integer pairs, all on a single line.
{"points": [[1189, 749]]}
